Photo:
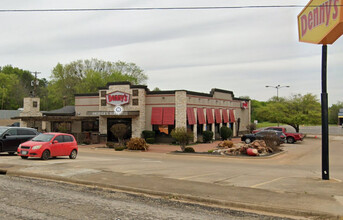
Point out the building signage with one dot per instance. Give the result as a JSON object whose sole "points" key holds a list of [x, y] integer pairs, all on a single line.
{"points": [[244, 105], [118, 98], [321, 22]]}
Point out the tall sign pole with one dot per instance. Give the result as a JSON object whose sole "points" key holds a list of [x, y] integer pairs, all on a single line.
{"points": [[321, 22], [325, 119]]}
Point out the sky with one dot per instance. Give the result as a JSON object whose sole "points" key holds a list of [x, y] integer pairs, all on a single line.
{"points": [[240, 50]]}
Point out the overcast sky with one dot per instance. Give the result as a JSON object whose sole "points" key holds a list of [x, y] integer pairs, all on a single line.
{"points": [[241, 50]]}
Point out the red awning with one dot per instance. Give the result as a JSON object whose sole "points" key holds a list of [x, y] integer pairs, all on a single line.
{"points": [[201, 116], [168, 115], [232, 116], [156, 115], [209, 115], [191, 116], [225, 116], [218, 116]]}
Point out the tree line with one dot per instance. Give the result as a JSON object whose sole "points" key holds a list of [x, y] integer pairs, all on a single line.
{"points": [[294, 111], [81, 76]]}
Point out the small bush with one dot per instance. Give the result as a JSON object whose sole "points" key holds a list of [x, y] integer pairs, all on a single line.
{"points": [[182, 136], [251, 127], [207, 136], [189, 150], [110, 144], [148, 134], [150, 140], [225, 133], [210, 151], [120, 148], [225, 144], [137, 144], [272, 141]]}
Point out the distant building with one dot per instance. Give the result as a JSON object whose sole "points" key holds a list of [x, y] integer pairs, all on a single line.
{"points": [[6, 115], [141, 109]]}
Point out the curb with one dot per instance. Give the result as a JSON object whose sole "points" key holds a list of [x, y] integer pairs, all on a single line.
{"points": [[247, 207], [227, 156]]}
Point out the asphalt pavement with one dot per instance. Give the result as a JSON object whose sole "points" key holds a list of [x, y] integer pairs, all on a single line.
{"points": [[289, 195]]}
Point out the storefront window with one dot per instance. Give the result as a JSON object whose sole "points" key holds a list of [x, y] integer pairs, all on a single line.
{"points": [[64, 127], [91, 126]]}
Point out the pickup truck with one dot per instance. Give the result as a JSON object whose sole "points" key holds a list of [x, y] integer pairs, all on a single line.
{"points": [[290, 137]]}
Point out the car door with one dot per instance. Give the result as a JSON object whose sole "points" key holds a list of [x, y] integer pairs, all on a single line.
{"points": [[10, 140], [68, 144], [57, 148]]}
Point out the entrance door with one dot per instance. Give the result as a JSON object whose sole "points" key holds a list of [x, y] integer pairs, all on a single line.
{"points": [[113, 121]]}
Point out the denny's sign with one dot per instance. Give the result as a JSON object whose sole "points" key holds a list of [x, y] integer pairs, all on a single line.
{"points": [[118, 98], [321, 22]]}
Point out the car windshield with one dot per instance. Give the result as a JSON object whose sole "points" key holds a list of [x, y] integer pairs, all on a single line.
{"points": [[43, 137], [2, 130]]}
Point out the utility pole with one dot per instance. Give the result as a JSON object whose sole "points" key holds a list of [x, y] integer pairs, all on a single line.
{"points": [[34, 83]]}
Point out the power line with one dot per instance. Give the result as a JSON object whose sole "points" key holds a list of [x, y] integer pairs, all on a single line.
{"points": [[157, 8]]}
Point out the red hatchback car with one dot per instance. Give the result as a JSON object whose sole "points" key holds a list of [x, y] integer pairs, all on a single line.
{"points": [[49, 145]]}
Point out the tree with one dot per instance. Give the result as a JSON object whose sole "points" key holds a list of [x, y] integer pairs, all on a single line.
{"points": [[294, 111], [333, 112], [182, 136], [86, 76]]}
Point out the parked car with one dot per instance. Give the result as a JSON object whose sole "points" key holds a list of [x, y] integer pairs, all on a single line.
{"points": [[11, 137], [278, 135], [290, 137], [49, 145]]}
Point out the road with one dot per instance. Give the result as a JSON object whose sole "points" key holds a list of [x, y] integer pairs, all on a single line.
{"points": [[22, 198], [289, 181]]}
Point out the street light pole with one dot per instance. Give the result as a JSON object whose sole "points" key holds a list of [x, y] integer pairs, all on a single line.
{"points": [[277, 94], [277, 89]]}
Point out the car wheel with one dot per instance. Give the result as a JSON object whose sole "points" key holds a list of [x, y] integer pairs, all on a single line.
{"points": [[45, 155], [24, 157], [73, 154], [290, 140], [248, 141]]}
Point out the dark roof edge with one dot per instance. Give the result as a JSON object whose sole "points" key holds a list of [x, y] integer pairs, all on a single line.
{"points": [[222, 91], [125, 83], [241, 99]]}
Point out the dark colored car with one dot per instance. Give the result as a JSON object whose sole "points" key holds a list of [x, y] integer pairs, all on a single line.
{"points": [[12, 137], [49, 145], [277, 135]]}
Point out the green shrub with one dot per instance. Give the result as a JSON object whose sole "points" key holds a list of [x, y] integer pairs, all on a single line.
{"points": [[225, 133], [182, 136], [148, 134], [120, 148], [207, 136], [210, 151], [150, 140], [251, 127], [110, 144], [137, 144], [189, 150]]}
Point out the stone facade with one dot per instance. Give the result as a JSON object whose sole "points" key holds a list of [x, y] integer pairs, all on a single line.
{"points": [[137, 112]]}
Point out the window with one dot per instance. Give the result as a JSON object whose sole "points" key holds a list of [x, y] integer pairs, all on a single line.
{"points": [[12, 131], [59, 138], [135, 92], [68, 138], [103, 93], [90, 126], [134, 101], [26, 132], [34, 104], [103, 102]]}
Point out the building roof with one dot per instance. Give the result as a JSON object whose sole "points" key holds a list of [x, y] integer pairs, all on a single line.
{"points": [[65, 111], [7, 114]]}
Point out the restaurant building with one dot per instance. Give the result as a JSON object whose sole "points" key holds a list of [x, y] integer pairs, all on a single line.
{"points": [[141, 109]]}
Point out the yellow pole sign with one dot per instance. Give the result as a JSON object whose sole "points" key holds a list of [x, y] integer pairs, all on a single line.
{"points": [[321, 22]]}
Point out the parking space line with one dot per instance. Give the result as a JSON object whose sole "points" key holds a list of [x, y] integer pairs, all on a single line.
{"points": [[260, 184], [190, 177]]}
